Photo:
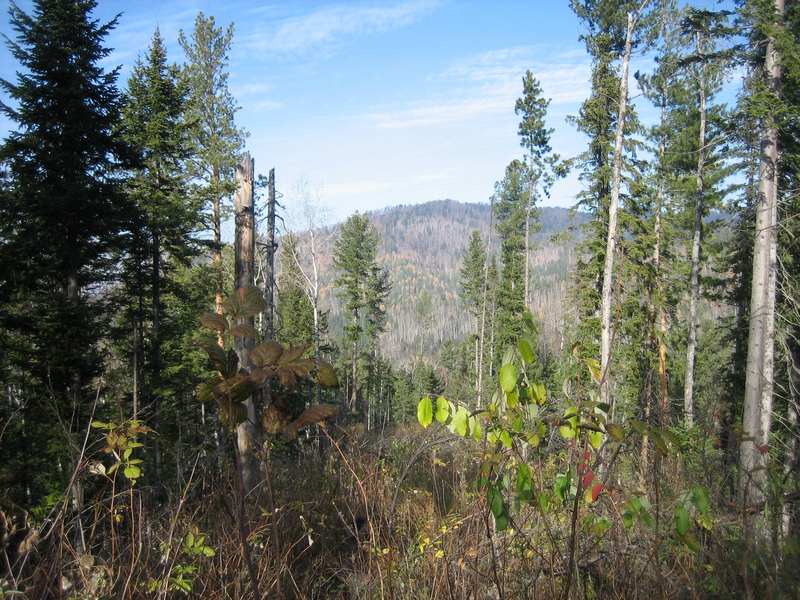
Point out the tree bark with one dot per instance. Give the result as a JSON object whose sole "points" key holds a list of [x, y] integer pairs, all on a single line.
{"points": [[248, 432], [753, 452], [606, 301]]}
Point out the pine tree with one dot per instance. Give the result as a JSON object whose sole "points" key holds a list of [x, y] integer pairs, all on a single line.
{"points": [[542, 164], [212, 110], [363, 286], [65, 212]]}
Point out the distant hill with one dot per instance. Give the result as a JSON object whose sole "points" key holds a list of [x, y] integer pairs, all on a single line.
{"points": [[423, 247]]}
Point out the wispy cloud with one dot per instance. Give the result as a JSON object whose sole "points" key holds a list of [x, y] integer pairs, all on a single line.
{"points": [[327, 28], [489, 84]]}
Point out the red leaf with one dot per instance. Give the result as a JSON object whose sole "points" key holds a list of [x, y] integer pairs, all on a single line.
{"points": [[598, 487], [587, 480]]}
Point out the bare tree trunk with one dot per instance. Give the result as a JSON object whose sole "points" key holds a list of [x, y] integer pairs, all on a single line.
{"points": [[613, 208], [694, 279], [760, 355], [248, 432], [481, 343], [269, 286]]}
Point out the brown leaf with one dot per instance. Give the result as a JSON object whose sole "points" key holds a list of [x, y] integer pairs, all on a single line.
{"points": [[266, 354], [275, 417], [302, 367], [289, 432], [315, 414], [287, 378], [244, 303], [295, 352], [235, 413], [261, 375], [215, 321], [245, 330]]}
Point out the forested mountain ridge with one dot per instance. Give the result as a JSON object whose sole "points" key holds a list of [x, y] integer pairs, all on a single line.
{"points": [[422, 247]]}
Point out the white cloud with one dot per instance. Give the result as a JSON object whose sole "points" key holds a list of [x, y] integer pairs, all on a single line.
{"points": [[326, 28], [488, 84]]}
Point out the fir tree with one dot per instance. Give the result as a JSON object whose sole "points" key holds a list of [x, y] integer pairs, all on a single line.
{"points": [[64, 211], [363, 286]]}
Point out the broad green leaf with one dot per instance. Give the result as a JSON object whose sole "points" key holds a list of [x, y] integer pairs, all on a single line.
{"points": [[508, 377], [460, 420], [691, 542], [511, 399], [525, 350], [595, 438], [639, 426], [477, 431], [671, 437], [627, 519], [502, 522], [659, 442], [681, 520], [505, 438], [544, 501], [594, 368], [132, 472], [425, 411], [539, 392], [616, 432], [217, 355], [442, 409], [701, 498], [496, 501], [533, 410]]}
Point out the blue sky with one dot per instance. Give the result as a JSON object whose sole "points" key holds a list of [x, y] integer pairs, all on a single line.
{"points": [[380, 103]]}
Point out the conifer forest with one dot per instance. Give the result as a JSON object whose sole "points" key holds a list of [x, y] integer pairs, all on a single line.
{"points": [[444, 400]]}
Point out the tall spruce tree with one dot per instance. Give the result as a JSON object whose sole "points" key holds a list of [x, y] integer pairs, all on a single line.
{"points": [[512, 212], [363, 286], [64, 211], [154, 124]]}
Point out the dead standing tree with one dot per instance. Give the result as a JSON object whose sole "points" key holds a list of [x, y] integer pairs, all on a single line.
{"points": [[248, 432]]}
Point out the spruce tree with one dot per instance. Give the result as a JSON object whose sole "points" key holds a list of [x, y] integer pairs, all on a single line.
{"points": [[163, 242], [64, 212], [511, 211], [155, 126], [363, 286]]}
